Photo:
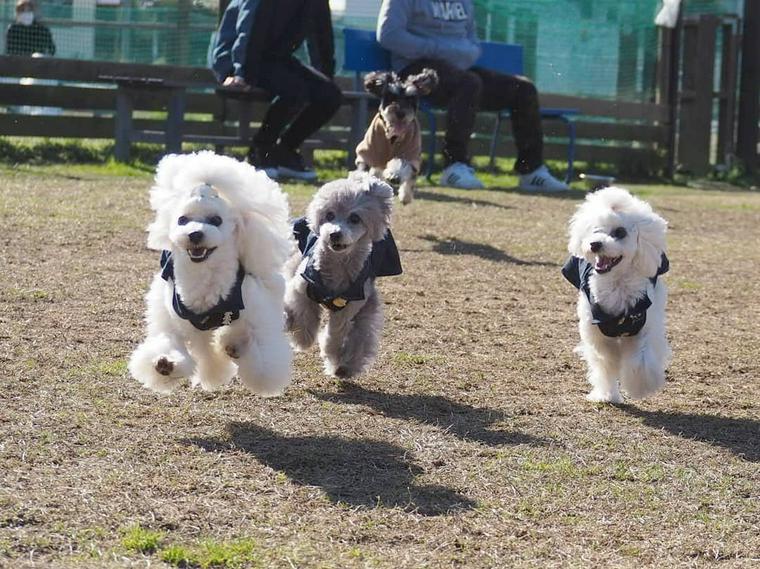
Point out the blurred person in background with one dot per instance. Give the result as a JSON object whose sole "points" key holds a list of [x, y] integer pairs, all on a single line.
{"points": [[255, 47], [27, 36], [441, 35]]}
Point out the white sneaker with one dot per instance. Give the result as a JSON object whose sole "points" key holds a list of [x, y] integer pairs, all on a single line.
{"points": [[540, 180], [460, 175]]}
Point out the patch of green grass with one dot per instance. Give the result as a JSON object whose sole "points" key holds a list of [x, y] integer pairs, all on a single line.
{"points": [[141, 540], [27, 295], [214, 555], [176, 555], [115, 368], [408, 359], [562, 466]]}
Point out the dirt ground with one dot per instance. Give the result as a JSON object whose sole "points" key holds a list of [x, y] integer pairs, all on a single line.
{"points": [[469, 444]]}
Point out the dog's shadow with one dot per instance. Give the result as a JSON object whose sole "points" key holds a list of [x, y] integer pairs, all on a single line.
{"points": [[366, 473], [463, 421], [740, 436], [447, 198], [453, 246]]}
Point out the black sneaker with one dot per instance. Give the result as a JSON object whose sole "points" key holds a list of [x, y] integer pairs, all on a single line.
{"points": [[290, 164], [261, 157]]}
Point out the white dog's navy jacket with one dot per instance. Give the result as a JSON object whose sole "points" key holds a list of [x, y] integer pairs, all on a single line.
{"points": [[578, 271], [225, 311], [383, 261]]}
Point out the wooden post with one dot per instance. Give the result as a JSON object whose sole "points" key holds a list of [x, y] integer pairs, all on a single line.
{"points": [[749, 94], [727, 112], [123, 124], [175, 120], [668, 62], [695, 123]]}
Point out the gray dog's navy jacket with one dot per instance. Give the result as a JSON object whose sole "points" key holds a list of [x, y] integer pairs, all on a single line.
{"points": [[578, 271], [225, 311], [383, 261]]}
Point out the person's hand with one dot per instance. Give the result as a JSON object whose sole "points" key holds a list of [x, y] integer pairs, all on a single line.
{"points": [[235, 82]]}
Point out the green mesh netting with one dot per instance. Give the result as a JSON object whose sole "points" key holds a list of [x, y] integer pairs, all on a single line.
{"points": [[600, 48]]}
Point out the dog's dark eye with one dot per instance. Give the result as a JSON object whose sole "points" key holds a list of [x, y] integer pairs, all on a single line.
{"points": [[619, 233], [330, 216], [182, 220], [354, 218], [215, 220]]}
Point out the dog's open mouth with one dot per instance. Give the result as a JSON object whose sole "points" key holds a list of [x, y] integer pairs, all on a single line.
{"points": [[604, 264], [199, 254]]}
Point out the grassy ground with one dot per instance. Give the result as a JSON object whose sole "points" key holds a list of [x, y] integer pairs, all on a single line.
{"points": [[469, 444]]}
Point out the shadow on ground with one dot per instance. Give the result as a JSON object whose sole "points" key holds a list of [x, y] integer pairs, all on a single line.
{"points": [[463, 421], [455, 246], [740, 436], [356, 472], [571, 194], [447, 198]]}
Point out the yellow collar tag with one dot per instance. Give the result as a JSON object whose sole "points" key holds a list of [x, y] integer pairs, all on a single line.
{"points": [[339, 302]]}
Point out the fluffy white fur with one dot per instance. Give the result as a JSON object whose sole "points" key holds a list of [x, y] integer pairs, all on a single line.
{"points": [[348, 341], [254, 232], [637, 362]]}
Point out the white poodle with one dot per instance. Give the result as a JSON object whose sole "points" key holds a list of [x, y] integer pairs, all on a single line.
{"points": [[617, 245], [345, 243], [216, 306]]}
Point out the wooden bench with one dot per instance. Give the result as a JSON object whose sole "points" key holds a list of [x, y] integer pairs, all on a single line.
{"points": [[632, 135]]}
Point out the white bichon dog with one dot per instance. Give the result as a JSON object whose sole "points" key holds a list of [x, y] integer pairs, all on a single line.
{"points": [[617, 245], [345, 244], [216, 306]]}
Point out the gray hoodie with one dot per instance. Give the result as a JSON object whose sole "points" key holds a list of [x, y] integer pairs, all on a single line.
{"points": [[431, 29]]}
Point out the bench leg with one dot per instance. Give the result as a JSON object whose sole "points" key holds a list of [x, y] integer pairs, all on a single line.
{"points": [[359, 122], [123, 125], [570, 148], [433, 128], [494, 142], [175, 120]]}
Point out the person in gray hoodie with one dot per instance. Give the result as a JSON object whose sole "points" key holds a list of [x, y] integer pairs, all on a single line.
{"points": [[441, 34]]}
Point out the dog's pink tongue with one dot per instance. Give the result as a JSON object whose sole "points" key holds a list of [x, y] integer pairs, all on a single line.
{"points": [[603, 262]]}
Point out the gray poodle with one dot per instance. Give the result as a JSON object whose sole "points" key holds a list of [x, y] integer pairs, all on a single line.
{"points": [[345, 243]]}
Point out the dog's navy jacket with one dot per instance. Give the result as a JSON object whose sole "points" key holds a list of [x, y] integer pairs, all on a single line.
{"points": [[578, 271], [383, 261], [225, 311]]}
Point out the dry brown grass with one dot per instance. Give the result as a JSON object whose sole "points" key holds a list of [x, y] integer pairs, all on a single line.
{"points": [[468, 445]]}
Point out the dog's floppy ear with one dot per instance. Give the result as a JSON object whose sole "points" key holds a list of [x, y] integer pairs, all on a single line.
{"points": [[423, 83], [378, 217], [651, 244], [376, 81]]}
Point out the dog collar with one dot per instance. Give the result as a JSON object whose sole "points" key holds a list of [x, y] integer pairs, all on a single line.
{"points": [[383, 261], [578, 271], [226, 311]]}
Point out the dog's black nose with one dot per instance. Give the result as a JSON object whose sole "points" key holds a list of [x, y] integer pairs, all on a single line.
{"points": [[335, 236], [196, 237], [596, 246]]}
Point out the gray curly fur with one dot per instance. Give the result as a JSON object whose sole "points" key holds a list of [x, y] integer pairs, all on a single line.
{"points": [[349, 339]]}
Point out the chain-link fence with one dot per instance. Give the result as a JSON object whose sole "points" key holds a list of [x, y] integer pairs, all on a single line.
{"points": [[599, 48]]}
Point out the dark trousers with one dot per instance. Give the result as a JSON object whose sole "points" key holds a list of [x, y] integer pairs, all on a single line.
{"points": [[463, 93], [304, 100]]}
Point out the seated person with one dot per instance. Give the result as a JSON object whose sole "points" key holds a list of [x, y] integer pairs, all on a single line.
{"points": [[442, 36], [255, 46], [26, 36]]}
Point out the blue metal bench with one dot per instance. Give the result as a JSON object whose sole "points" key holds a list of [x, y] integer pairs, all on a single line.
{"points": [[364, 54]]}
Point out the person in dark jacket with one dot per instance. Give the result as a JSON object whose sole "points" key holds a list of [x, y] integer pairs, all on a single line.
{"points": [[257, 40], [26, 36]]}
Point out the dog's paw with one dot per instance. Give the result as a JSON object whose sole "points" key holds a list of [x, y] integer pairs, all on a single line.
{"points": [[164, 366], [602, 396], [342, 372], [233, 351]]}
